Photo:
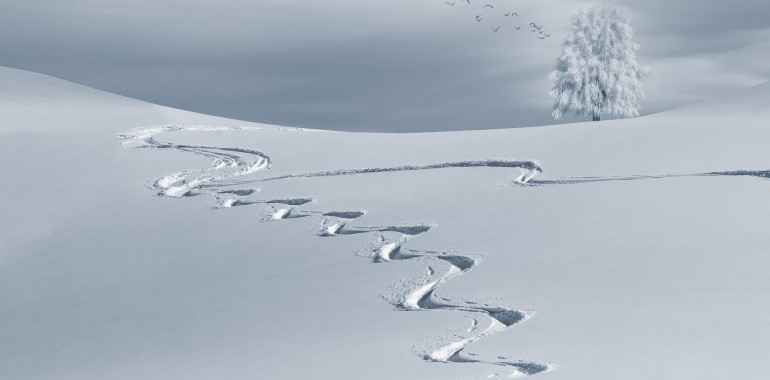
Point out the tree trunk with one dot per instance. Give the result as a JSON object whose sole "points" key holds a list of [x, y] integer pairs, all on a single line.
{"points": [[596, 117]]}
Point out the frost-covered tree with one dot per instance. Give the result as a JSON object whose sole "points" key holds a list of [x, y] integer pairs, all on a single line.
{"points": [[597, 73]]}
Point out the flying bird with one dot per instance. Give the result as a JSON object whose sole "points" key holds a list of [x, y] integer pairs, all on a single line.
{"points": [[488, 6], [507, 14], [496, 29], [547, 35], [542, 38], [452, 3], [518, 27], [479, 18]]}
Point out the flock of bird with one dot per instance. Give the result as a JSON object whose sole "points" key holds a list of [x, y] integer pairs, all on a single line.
{"points": [[480, 18]]}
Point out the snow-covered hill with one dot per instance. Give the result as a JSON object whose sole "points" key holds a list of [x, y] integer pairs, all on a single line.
{"points": [[142, 242]]}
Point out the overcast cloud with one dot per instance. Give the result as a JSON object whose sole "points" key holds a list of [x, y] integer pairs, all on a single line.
{"points": [[392, 65]]}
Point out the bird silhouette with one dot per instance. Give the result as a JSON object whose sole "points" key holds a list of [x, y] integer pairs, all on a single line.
{"points": [[547, 35], [480, 18], [542, 38]]}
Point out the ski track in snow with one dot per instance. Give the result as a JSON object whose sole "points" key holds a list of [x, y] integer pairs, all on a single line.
{"points": [[229, 163], [532, 167], [761, 174]]}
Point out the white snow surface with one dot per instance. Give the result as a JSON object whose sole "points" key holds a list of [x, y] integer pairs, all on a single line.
{"points": [[638, 251]]}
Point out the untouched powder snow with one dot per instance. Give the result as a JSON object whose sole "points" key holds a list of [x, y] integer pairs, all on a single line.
{"points": [[141, 242]]}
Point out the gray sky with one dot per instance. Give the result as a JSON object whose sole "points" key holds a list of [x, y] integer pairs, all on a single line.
{"points": [[388, 65]]}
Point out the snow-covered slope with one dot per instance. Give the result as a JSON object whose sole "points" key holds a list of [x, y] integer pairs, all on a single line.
{"points": [[141, 242]]}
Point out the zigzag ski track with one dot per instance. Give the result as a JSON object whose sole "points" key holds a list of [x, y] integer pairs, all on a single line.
{"points": [[230, 162]]}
